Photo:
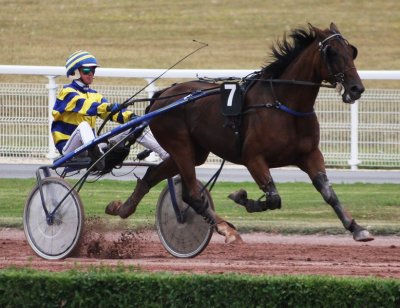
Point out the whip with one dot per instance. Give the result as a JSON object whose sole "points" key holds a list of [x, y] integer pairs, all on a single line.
{"points": [[131, 99]]}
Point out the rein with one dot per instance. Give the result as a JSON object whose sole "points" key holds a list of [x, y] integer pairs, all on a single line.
{"points": [[295, 82], [137, 100]]}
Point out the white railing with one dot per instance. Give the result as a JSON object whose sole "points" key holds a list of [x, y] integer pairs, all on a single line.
{"points": [[363, 135]]}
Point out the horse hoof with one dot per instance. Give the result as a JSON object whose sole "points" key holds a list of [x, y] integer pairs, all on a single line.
{"points": [[126, 210], [117, 208], [239, 197], [113, 208], [362, 236], [234, 239], [231, 235]]}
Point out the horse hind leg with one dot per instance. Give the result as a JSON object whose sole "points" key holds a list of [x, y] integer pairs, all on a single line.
{"points": [[321, 183], [127, 208], [153, 176]]}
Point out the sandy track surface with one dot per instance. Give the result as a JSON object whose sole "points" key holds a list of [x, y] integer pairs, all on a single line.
{"points": [[259, 254]]}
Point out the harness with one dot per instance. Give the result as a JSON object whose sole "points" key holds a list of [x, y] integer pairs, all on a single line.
{"points": [[277, 104], [246, 83]]}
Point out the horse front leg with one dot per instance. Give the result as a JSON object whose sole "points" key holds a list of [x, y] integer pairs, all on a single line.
{"points": [[261, 174], [153, 176], [317, 174], [321, 183]]}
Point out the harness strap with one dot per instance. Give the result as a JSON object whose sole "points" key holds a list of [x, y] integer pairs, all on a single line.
{"points": [[279, 106], [294, 112]]}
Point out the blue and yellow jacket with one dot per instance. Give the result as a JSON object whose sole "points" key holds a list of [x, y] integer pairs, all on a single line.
{"points": [[76, 103]]}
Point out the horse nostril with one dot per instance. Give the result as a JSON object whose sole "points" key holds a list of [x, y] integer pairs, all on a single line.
{"points": [[356, 89]]}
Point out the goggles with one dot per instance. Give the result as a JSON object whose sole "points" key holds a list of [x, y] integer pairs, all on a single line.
{"points": [[88, 70]]}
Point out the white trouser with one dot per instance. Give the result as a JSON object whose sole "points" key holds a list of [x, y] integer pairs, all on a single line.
{"points": [[148, 141], [82, 134]]}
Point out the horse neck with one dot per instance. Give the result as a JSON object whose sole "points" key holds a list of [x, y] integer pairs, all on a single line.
{"points": [[306, 67]]}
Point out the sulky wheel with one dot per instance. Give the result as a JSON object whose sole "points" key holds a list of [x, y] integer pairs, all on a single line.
{"points": [[53, 236], [186, 238]]}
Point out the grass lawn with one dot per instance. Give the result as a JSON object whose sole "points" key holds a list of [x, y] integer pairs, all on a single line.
{"points": [[375, 206]]}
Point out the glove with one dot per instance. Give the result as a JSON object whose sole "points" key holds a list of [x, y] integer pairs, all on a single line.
{"points": [[132, 116], [113, 108]]}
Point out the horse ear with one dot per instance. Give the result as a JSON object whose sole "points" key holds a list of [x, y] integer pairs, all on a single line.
{"points": [[334, 28]]}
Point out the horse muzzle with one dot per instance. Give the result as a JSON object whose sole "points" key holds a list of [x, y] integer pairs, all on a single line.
{"points": [[352, 93]]}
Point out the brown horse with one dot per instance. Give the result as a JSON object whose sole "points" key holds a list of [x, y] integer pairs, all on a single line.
{"points": [[276, 127]]}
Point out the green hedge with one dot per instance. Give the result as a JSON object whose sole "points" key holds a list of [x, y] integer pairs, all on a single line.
{"points": [[123, 288]]}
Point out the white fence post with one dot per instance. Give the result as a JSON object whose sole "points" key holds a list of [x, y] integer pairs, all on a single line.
{"points": [[52, 86], [354, 161], [151, 88]]}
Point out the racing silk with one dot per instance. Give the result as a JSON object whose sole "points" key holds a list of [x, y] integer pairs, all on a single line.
{"points": [[75, 103]]}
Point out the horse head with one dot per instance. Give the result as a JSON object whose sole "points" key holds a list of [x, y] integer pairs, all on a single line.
{"points": [[338, 57]]}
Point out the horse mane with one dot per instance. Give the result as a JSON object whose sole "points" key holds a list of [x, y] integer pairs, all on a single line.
{"points": [[285, 51]]}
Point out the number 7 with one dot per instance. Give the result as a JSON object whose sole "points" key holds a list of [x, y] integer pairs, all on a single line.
{"points": [[232, 88]]}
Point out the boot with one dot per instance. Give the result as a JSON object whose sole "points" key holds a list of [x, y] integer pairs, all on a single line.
{"points": [[95, 153], [112, 142]]}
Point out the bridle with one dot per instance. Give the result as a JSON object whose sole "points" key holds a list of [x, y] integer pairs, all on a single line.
{"points": [[323, 48]]}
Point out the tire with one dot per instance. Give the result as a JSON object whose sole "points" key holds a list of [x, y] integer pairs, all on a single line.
{"points": [[187, 239], [58, 240]]}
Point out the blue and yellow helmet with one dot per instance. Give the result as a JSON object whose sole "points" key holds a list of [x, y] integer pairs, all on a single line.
{"points": [[78, 59]]}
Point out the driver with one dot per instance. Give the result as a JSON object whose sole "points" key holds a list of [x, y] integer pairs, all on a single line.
{"points": [[77, 107]]}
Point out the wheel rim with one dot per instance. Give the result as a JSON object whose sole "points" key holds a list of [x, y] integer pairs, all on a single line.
{"points": [[183, 240], [56, 240]]}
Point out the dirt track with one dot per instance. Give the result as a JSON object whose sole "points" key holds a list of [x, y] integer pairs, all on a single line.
{"points": [[260, 254]]}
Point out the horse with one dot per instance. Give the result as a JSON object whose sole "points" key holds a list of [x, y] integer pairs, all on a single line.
{"points": [[276, 127]]}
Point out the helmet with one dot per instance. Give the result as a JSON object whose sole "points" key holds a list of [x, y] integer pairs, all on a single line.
{"points": [[78, 59]]}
